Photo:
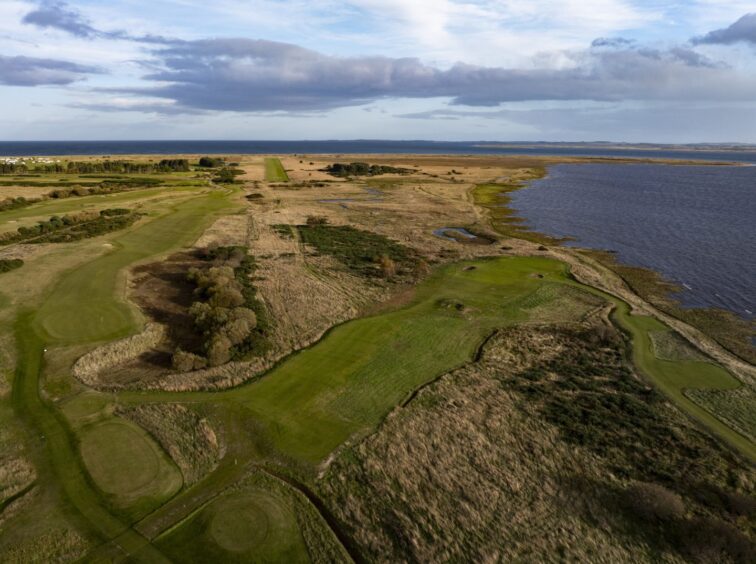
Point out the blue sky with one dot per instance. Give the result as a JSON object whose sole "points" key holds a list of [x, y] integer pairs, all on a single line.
{"points": [[554, 70]]}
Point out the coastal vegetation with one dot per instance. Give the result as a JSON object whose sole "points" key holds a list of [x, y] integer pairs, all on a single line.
{"points": [[258, 373]]}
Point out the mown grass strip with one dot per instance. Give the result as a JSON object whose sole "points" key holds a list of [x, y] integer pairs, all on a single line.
{"points": [[60, 446], [274, 170]]}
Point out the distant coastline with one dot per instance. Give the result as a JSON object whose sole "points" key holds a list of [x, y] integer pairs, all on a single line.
{"points": [[708, 152]]}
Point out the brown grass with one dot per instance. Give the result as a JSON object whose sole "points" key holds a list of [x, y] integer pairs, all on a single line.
{"points": [[472, 470]]}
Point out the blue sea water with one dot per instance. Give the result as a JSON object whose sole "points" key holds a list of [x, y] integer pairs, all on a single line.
{"points": [[47, 148], [696, 225]]}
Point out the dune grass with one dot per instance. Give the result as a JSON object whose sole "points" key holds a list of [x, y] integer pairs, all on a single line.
{"points": [[274, 171]]}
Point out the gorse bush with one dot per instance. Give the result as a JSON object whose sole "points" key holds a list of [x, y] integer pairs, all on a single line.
{"points": [[211, 162]]}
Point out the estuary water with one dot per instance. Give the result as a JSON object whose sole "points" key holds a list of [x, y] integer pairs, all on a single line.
{"points": [[696, 225]]}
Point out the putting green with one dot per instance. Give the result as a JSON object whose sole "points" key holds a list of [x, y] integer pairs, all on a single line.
{"points": [[127, 464], [251, 525]]}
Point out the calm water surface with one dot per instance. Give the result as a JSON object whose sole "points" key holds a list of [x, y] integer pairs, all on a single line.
{"points": [[694, 224]]}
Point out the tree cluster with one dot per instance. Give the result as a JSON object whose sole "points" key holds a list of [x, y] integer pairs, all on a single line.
{"points": [[72, 227], [211, 162], [225, 311], [108, 166], [363, 169], [227, 175]]}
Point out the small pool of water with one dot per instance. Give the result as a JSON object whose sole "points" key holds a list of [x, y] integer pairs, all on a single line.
{"points": [[442, 232]]}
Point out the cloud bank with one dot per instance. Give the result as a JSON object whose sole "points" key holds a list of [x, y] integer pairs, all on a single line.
{"points": [[743, 30], [255, 76], [30, 71]]}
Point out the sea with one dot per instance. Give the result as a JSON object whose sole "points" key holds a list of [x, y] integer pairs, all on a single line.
{"points": [[50, 148], [696, 225]]}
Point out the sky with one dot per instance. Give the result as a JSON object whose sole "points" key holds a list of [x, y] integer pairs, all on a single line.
{"points": [[676, 71]]}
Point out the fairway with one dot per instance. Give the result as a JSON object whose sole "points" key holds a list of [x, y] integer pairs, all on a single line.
{"points": [[86, 304], [128, 465], [274, 171], [362, 369], [674, 377]]}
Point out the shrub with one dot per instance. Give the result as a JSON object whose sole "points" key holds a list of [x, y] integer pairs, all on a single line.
{"points": [[388, 266], [316, 220], [6, 265], [652, 502], [711, 540], [183, 361], [211, 162]]}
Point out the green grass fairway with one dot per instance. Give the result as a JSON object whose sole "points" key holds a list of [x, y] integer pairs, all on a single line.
{"points": [[674, 377], [274, 171], [86, 305], [64, 318], [51, 207], [128, 466], [251, 525], [346, 383]]}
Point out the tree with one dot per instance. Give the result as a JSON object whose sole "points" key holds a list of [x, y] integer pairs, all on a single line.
{"points": [[219, 351]]}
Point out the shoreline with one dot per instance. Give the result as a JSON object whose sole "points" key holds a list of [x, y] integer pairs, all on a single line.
{"points": [[649, 285]]}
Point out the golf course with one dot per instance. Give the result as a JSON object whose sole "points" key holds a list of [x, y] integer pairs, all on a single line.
{"points": [[230, 460]]}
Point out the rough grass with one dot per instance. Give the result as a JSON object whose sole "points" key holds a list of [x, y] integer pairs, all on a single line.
{"points": [[669, 345], [187, 438], [529, 454], [274, 171], [112, 354], [737, 408]]}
